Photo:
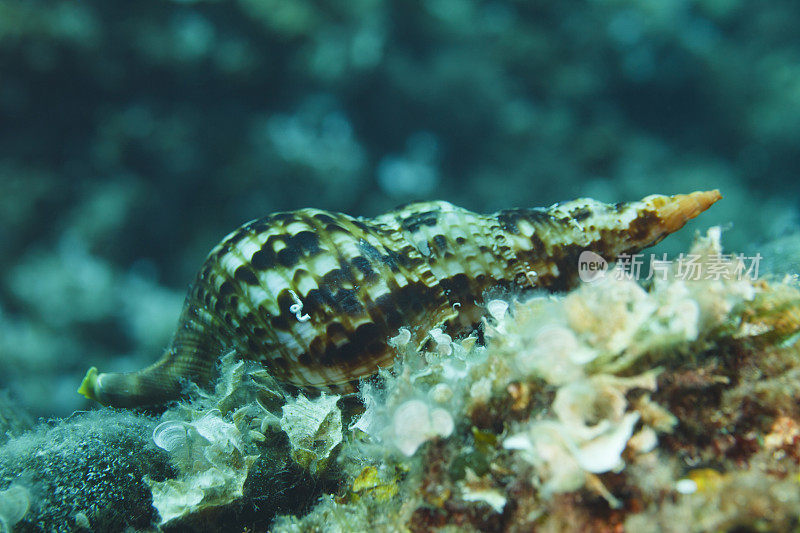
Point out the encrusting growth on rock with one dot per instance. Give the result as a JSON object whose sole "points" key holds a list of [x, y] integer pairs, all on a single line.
{"points": [[315, 296], [614, 405]]}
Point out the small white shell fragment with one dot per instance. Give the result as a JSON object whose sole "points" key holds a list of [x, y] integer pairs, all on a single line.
{"points": [[256, 436], [686, 486], [414, 424], [441, 393], [170, 435], [411, 426], [604, 453], [518, 442], [644, 441], [402, 338], [497, 309], [443, 341], [492, 497], [481, 390], [214, 429], [442, 423]]}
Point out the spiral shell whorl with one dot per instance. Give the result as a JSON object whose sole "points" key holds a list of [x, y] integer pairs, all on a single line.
{"points": [[315, 295]]}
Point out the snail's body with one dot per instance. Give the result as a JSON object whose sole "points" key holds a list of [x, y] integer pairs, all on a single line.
{"points": [[315, 295]]}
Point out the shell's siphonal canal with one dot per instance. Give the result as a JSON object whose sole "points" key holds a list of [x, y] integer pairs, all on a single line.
{"points": [[314, 296]]}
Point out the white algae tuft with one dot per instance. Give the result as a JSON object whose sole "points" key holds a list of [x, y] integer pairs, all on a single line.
{"points": [[314, 429], [209, 454]]}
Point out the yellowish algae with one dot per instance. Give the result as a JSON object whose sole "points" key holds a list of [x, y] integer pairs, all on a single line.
{"points": [[87, 386]]}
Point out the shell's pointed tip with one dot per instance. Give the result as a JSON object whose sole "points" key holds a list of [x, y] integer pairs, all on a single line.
{"points": [[89, 385], [675, 211], [705, 197]]}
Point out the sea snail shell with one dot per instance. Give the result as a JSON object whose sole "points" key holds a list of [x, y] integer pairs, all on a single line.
{"points": [[315, 295]]}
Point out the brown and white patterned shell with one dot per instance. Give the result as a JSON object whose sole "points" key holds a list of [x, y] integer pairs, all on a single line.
{"points": [[315, 295]]}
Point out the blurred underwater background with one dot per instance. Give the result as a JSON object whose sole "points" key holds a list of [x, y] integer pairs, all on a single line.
{"points": [[134, 137], [131, 141]]}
